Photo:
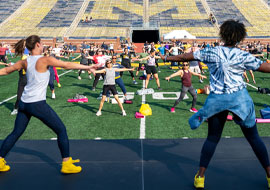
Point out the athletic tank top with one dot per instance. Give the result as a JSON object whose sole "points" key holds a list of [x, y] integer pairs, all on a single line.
{"points": [[151, 61], [186, 79], [109, 77], [36, 87], [175, 50]]}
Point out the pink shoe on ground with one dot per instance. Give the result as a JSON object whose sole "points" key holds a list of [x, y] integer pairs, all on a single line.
{"points": [[172, 110], [194, 110]]}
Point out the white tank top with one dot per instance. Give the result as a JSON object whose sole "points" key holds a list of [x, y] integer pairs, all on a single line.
{"points": [[37, 83], [151, 61]]}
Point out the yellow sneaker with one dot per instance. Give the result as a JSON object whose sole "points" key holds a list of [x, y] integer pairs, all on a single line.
{"points": [[198, 181], [59, 85], [3, 165], [268, 181], [68, 167]]}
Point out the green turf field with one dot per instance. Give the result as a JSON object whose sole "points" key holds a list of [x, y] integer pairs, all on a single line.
{"points": [[82, 123]]}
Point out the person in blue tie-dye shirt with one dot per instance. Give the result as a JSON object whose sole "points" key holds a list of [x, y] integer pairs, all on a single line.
{"points": [[226, 67]]}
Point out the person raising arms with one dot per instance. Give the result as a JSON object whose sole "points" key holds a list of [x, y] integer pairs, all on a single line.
{"points": [[185, 75], [151, 68], [228, 93], [109, 84], [33, 100]]}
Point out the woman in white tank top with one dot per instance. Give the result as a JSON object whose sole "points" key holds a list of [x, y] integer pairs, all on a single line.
{"points": [[33, 100], [150, 68]]}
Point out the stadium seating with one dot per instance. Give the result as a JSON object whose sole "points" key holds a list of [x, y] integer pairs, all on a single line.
{"points": [[6, 11], [114, 18]]}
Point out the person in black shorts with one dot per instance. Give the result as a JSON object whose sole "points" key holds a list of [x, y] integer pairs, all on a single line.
{"points": [[151, 68], [109, 84]]}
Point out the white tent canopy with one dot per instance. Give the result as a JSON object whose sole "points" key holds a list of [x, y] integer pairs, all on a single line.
{"points": [[178, 34]]}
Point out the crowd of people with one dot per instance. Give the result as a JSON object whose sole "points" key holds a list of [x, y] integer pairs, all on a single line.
{"points": [[226, 85]]}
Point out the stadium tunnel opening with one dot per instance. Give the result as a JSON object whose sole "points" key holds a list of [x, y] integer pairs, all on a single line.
{"points": [[141, 36]]}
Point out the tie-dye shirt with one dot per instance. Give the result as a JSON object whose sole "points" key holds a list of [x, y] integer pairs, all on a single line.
{"points": [[226, 66]]}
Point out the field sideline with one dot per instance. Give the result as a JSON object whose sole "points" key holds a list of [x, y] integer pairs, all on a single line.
{"points": [[82, 123]]}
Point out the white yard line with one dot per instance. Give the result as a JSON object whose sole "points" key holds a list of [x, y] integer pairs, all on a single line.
{"points": [[142, 126], [16, 95]]}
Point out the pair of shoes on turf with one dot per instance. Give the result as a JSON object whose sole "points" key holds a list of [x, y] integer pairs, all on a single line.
{"points": [[68, 167], [79, 96], [194, 110], [3, 165], [198, 181], [123, 113]]}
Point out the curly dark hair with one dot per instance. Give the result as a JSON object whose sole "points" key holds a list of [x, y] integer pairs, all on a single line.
{"points": [[232, 32]]}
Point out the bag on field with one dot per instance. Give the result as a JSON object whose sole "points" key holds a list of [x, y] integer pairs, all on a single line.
{"points": [[145, 110], [265, 113], [264, 90]]}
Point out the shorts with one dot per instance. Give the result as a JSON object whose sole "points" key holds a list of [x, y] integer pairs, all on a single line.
{"points": [[151, 69], [195, 69], [106, 88]]}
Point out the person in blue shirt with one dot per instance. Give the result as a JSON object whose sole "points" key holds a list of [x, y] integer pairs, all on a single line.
{"points": [[227, 87]]}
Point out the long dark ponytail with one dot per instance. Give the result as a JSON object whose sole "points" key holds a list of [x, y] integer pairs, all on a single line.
{"points": [[29, 43]]}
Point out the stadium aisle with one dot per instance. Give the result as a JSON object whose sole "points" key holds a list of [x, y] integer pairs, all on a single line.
{"points": [[133, 165]]}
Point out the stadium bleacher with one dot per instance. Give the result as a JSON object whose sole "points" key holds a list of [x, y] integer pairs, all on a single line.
{"points": [[6, 11], [114, 18]]}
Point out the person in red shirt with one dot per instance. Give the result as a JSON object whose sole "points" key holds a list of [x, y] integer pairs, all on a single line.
{"points": [[100, 61], [3, 53]]}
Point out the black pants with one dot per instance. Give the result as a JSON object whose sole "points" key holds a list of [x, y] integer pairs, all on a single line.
{"points": [[3, 58], [97, 77], [215, 127], [44, 113], [127, 65], [184, 92], [21, 84]]}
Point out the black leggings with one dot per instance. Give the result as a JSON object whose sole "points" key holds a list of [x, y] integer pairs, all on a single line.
{"points": [[215, 127], [97, 77], [184, 92], [43, 112]]}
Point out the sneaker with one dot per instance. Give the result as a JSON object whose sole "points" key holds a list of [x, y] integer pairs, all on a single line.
{"points": [[93, 89], [194, 110], [268, 181], [14, 112], [98, 113], [3, 165], [59, 85], [79, 77], [135, 82], [124, 113], [83, 71], [198, 181], [68, 167], [159, 88], [201, 81], [90, 77], [172, 110], [108, 99], [53, 95]]}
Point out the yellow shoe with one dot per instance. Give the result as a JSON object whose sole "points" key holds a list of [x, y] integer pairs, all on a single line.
{"points": [[59, 85], [68, 167], [198, 181], [268, 181], [3, 165]]}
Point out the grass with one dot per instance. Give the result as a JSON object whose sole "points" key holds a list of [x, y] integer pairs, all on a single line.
{"points": [[82, 123]]}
